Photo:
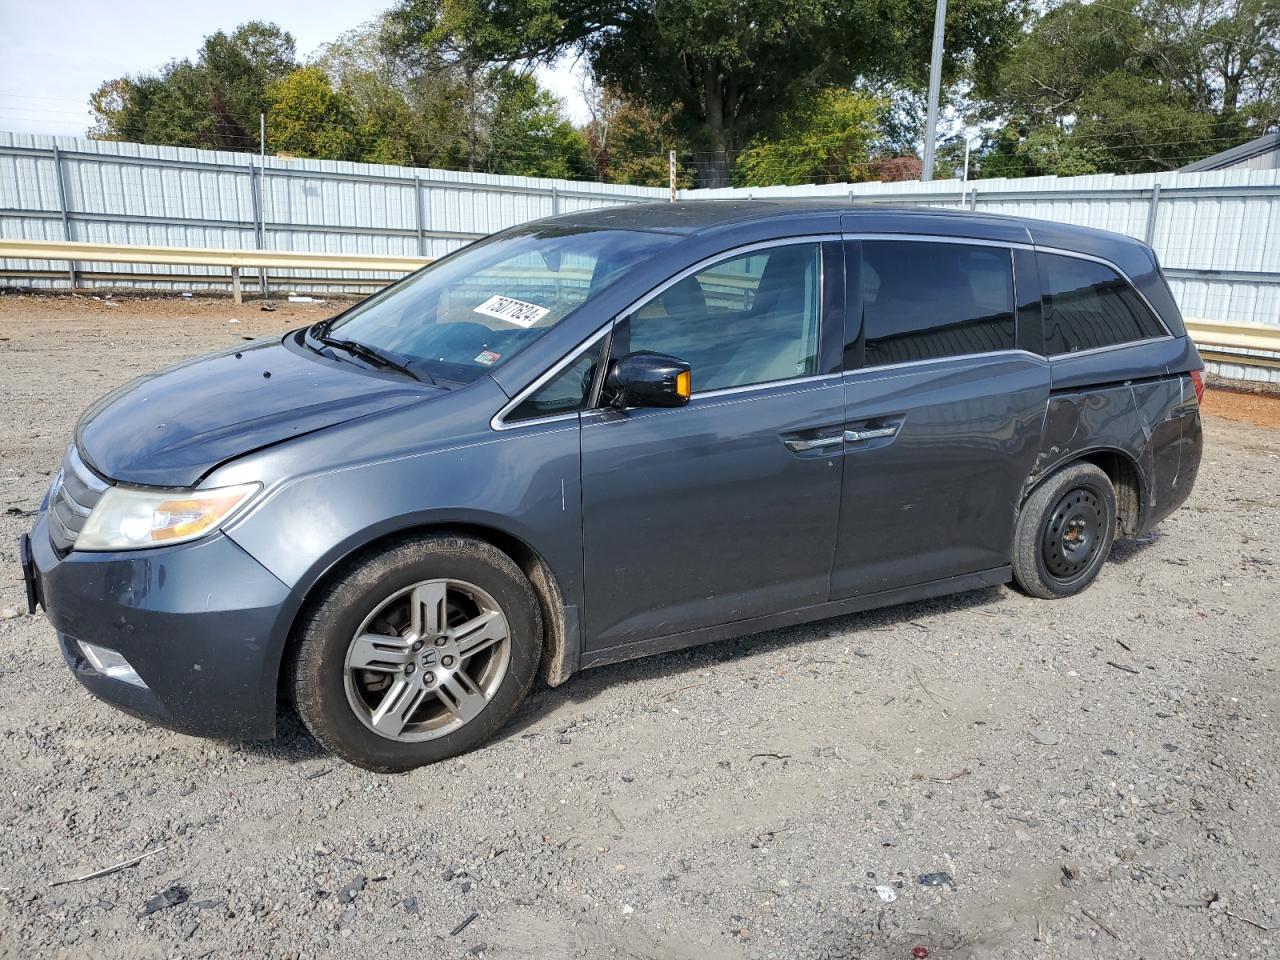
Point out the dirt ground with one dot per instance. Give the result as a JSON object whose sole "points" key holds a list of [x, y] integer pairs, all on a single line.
{"points": [[1095, 777], [1249, 405]]}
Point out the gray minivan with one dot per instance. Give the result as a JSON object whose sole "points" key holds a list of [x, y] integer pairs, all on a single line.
{"points": [[605, 435]]}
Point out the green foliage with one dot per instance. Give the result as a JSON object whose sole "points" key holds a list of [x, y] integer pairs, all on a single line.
{"points": [[395, 91], [1135, 85], [727, 71], [425, 101], [1040, 152], [755, 92], [630, 143], [828, 140], [306, 117], [213, 102], [527, 135]]}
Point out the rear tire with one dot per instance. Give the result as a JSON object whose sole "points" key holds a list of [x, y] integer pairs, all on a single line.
{"points": [[1064, 532], [416, 654]]}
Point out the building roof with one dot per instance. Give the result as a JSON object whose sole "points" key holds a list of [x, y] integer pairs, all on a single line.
{"points": [[1267, 143]]}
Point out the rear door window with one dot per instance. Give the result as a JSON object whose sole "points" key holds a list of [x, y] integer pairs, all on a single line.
{"points": [[923, 300], [1088, 305]]}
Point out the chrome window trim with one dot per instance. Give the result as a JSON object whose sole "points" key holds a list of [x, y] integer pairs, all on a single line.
{"points": [[1111, 346], [1034, 248], [498, 421], [749, 388], [1007, 246], [931, 238], [1016, 351], [1123, 276]]}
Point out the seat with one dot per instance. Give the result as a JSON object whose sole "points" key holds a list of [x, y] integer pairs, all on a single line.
{"points": [[774, 339]]}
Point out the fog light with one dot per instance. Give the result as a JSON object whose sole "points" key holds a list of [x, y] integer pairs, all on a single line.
{"points": [[111, 664]]}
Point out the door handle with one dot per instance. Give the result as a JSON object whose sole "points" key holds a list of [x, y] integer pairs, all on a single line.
{"points": [[799, 446], [873, 433]]}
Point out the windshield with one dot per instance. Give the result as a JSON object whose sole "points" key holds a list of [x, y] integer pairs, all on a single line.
{"points": [[475, 309]]}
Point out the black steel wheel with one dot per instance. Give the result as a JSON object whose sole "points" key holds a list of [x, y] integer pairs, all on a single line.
{"points": [[1072, 533], [1065, 531]]}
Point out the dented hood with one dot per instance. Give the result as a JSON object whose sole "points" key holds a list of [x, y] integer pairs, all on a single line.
{"points": [[171, 428]]}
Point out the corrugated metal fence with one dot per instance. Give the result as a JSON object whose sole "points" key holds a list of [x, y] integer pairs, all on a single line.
{"points": [[90, 190], [1217, 233]]}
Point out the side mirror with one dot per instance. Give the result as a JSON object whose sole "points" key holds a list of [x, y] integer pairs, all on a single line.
{"points": [[649, 380]]}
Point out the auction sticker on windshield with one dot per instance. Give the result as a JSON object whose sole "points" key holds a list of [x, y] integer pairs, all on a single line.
{"points": [[512, 311]]}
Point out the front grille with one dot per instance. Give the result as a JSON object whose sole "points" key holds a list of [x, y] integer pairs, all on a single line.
{"points": [[74, 495]]}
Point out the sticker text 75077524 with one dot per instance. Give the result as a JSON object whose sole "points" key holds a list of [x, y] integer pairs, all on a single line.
{"points": [[512, 310]]}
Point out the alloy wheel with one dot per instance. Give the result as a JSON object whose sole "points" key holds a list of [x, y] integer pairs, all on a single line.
{"points": [[427, 660]]}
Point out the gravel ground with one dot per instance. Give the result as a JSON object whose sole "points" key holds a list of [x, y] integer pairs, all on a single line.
{"points": [[1091, 778]]}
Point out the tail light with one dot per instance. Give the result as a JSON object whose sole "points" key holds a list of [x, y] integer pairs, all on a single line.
{"points": [[1197, 381]]}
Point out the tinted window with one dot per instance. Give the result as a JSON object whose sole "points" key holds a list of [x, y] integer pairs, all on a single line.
{"points": [[566, 392], [474, 310], [1088, 305], [925, 300], [750, 319]]}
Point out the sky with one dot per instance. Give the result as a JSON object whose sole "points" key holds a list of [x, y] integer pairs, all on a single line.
{"points": [[54, 54]]}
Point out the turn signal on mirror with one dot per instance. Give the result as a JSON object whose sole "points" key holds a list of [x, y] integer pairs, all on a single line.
{"points": [[684, 384]]}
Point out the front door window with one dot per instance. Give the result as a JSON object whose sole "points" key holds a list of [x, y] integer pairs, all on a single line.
{"points": [[751, 319]]}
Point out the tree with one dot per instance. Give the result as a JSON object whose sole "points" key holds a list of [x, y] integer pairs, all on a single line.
{"points": [[306, 117], [1043, 151], [503, 121], [1136, 85], [408, 115], [239, 69], [726, 71], [829, 140], [526, 134], [172, 109], [213, 102], [628, 142]]}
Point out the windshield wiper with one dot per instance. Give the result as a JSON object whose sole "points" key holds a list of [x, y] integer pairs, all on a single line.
{"points": [[373, 355]]}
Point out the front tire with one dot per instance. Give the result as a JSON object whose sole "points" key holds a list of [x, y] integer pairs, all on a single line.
{"points": [[1064, 532], [418, 653]]}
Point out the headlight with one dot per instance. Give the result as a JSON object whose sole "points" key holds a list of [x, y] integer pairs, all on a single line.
{"points": [[130, 517]]}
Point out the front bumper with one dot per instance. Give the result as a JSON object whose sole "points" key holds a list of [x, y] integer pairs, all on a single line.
{"points": [[202, 623]]}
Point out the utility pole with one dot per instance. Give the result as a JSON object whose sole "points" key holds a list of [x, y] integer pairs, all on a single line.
{"points": [[263, 284], [671, 173], [935, 82]]}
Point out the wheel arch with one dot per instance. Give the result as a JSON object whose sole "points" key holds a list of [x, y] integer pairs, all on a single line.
{"points": [[560, 641], [1125, 474]]}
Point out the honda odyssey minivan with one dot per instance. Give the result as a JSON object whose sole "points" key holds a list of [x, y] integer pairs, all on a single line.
{"points": [[606, 435]]}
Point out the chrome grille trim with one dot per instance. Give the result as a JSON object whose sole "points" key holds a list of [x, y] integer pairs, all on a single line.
{"points": [[76, 506], [65, 534], [74, 495]]}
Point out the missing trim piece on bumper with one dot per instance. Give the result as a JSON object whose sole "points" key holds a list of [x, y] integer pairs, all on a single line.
{"points": [[30, 575]]}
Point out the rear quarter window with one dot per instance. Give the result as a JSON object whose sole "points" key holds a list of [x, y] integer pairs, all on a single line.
{"points": [[1088, 305]]}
